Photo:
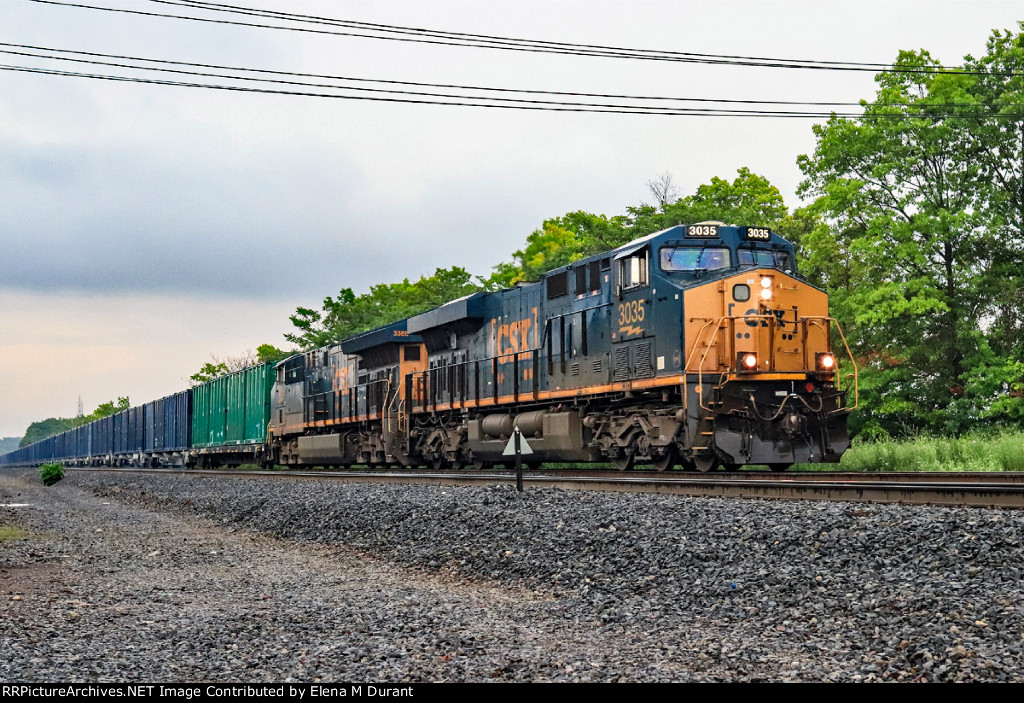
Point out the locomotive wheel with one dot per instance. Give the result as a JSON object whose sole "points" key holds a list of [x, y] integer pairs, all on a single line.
{"points": [[439, 463], [705, 462], [481, 465], [534, 465], [624, 462], [779, 468], [687, 464], [666, 461]]}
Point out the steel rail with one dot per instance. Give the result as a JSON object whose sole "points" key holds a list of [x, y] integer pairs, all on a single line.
{"points": [[911, 489]]}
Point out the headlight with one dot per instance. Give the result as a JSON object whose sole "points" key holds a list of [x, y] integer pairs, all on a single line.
{"points": [[824, 362], [766, 288], [746, 361]]}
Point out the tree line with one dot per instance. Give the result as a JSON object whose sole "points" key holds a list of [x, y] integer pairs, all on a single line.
{"points": [[42, 429]]}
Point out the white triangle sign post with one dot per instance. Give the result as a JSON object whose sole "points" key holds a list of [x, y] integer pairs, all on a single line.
{"points": [[518, 446], [523, 448]]}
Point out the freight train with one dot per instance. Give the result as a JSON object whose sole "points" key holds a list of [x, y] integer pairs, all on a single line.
{"points": [[699, 347]]}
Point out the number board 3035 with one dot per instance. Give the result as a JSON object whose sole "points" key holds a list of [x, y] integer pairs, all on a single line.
{"points": [[702, 231], [759, 233]]}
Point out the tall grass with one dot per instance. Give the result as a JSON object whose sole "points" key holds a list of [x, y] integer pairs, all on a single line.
{"points": [[971, 452]]}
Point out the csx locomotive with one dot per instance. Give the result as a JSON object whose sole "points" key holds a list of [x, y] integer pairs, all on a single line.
{"points": [[698, 346]]}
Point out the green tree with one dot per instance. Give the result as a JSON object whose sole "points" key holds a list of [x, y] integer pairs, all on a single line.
{"points": [[748, 199], [913, 248], [269, 353], [108, 408], [217, 367], [51, 426], [348, 314], [561, 241], [209, 371]]}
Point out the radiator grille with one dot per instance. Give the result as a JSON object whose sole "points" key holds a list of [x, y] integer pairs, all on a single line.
{"points": [[644, 367], [620, 363]]}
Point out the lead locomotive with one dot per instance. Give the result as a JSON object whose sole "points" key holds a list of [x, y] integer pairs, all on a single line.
{"points": [[697, 346]]}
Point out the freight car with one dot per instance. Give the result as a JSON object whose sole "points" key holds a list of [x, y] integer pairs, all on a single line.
{"points": [[697, 346], [220, 422]]}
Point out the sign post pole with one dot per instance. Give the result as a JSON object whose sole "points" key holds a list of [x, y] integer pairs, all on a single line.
{"points": [[519, 459], [518, 446]]}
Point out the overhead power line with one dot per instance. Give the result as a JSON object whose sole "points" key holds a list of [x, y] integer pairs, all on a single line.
{"points": [[367, 30], [460, 101], [139, 63], [341, 92]]}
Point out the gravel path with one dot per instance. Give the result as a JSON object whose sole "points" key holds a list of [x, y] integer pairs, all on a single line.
{"points": [[181, 578]]}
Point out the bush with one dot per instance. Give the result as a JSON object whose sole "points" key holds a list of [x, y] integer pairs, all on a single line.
{"points": [[51, 473]]}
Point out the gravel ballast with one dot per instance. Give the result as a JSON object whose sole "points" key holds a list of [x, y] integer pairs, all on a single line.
{"points": [[187, 578]]}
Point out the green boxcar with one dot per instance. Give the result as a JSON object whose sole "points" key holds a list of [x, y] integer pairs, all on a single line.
{"points": [[260, 383], [233, 409]]}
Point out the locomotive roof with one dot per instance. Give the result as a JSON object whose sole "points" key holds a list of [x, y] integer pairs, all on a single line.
{"points": [[395, 333], [467, 307], [726, 235]]}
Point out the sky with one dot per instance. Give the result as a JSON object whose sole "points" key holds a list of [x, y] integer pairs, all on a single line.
{"points": [[145, 227]]}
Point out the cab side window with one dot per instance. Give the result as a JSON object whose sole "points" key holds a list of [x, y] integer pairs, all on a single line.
{"points": [[633, 270]]}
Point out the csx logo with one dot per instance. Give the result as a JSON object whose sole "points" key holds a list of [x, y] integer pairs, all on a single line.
{"points": [[780, 322], [512, 338]]}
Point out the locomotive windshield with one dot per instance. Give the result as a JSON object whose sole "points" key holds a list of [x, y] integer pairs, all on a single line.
{"points": [[766, 258], [695, 258]]}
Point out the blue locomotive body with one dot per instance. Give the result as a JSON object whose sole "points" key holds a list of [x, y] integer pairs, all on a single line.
{"points": [[607, 359]]}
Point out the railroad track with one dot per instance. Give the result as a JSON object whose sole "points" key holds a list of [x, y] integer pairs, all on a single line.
{"points": [[1004, 490]]}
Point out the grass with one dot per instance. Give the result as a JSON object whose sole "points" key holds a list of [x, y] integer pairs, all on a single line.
{"points": [[10, 533], [971, 452]]}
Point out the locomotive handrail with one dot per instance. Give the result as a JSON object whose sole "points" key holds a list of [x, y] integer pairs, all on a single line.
{"points": [[388, 403], [772, 320], [335, 412], [686, 369], [464, 394], [856, 371], [732, 318]]}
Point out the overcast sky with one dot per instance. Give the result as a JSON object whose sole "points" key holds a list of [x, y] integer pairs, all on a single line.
{"points": [[145, 227]]}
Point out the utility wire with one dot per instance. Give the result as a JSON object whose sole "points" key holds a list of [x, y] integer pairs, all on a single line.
{"points": [[464, 36], [35, 52], [138, 63], [470, 101], [424, 36]]}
